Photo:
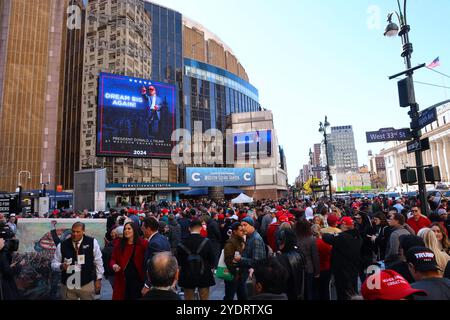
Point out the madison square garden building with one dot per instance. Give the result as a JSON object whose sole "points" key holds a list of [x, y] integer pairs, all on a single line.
{"points": [[105, 67]]}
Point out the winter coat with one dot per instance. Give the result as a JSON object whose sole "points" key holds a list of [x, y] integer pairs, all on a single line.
{"points": [[309, 248], [7, 282], [345, 254], [184, 224], [381, 241], [232, 245], [214, 231], [185, 279], [122, 258], [393, 245], [174, 234]]}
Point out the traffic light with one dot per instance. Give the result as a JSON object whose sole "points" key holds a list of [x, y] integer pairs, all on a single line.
{"points": [[433, 174], [408, 176], [406, 92]]}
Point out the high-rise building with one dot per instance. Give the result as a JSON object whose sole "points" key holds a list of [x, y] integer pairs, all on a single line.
{"points": [[69, 123], [31, 69], [306, 172], [342, 153], [117, 40], [316, 158], [211, 85]]}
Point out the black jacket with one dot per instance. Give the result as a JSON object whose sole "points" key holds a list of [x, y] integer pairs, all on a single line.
{"points": [[184, 224], [174, 234], [382, 233], [186, 280], [346, 252], [8, 285], [295, 262], [214, 231]]}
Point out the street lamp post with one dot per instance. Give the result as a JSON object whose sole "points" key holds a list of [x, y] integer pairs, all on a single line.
{"points": [[323, 129], [392, 30]]}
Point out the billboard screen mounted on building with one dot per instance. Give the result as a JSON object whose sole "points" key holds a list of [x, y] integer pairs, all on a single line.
{"points": [[135, 117], [253, 145], [220, 177]]}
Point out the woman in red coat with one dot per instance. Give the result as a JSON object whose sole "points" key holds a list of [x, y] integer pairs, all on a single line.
{"points": [[127, 261]]}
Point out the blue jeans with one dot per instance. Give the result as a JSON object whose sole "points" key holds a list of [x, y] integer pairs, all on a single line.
{"points": [[236, 286]]}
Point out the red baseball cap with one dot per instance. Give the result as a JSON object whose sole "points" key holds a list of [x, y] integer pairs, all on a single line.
{"points": [[332, 220], [221, 217], [346, 221], [165, 210], [387, 285]]}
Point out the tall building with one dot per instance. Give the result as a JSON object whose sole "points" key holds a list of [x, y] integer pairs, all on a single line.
{"points": [[316, 158], [341, 148], [31, 43], [117, 40], [211, 85], [306, 172], [71, 91]]}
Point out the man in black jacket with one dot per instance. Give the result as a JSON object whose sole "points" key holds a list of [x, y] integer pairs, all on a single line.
{"points": [[345, 258], [196, 257], [184, 224], [295, 263], [215, 236]]}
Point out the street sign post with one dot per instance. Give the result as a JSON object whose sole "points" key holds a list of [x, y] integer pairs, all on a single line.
{"points": [[418, 145], [388, 134], [319, 169]]}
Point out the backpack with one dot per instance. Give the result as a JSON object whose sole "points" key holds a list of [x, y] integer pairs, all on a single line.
{"points": [[195, 263]]}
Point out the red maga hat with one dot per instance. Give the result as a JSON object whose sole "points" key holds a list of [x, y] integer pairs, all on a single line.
{"points": [[347, 221], [387, 285]]}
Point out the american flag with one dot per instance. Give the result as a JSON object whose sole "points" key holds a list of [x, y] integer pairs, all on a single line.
{"points": [[434, 64]]}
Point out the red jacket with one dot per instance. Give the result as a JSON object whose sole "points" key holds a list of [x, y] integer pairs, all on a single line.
{"points": [[204, 231], [271, 235], [122, 258], [423, 222], [324, 254]]}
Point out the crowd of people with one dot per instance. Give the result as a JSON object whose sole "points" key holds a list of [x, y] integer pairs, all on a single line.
{"points": [[295, 249]]}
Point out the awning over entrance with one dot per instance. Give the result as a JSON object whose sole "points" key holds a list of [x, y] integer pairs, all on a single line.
{"points": [[204, 192], [147, 187]]}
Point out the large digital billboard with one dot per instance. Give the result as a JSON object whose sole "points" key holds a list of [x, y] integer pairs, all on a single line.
{"points": [[220, 177], [253, 145], [135, 118]]}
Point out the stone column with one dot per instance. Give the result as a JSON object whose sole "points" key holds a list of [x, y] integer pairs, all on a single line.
{"points": [[445, 177], [432, 152]]}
